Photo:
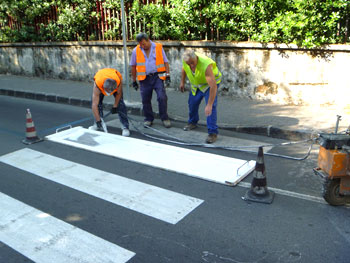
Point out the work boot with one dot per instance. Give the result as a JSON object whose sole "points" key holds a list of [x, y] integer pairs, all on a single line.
{"points": [[190, 126], [211, 138], [125, 132], [147, 124], [167, 123]]}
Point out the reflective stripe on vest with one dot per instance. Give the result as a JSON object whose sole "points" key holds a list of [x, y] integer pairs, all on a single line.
{"points": [[203, 87], [141, 63], [198, 80], [107, 73]]}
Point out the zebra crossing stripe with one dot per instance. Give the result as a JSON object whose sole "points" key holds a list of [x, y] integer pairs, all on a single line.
{"points": [[150, 200], [44, 239], [206, 166]]}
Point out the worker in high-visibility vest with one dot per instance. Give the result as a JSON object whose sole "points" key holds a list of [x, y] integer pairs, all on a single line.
{"points": [[204, 77], [150, 67], [108, 81]]}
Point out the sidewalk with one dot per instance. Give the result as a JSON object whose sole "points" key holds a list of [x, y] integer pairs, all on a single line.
{"points": [[236, 114]]}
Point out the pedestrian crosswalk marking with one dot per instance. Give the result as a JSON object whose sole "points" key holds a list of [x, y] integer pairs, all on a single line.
{"points": [[44, 239], [147, 199], [207, 166]]}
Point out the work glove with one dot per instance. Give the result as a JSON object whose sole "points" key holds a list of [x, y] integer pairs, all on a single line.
{"points": [[114, 110], [135, 85], [99, 126], [167, 81]]}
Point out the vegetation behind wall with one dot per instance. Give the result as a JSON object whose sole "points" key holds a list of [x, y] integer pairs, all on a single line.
{"points": [[307, 23]]}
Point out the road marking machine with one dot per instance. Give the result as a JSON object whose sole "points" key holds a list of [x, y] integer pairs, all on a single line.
{"points": [[334, 166]]}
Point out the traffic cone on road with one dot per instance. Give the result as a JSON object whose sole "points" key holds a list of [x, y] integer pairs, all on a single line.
{"points": [[258, 191], [31, 136]]}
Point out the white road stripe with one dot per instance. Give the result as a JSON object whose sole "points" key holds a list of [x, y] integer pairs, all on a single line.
{"points": [[289, 193], [207, 166], [44, 238], [150, 200]]}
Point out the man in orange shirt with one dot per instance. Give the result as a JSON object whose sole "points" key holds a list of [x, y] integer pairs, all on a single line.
{"points": [[108, 82]]}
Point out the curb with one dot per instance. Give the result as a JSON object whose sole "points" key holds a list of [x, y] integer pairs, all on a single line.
{"points": [[136, 109]]}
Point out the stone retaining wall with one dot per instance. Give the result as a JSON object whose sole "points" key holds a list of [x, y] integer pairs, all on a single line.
{"points": [[280, 73]]}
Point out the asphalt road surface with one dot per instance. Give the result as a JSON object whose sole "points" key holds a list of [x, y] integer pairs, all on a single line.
{"points": [[45, 221]]}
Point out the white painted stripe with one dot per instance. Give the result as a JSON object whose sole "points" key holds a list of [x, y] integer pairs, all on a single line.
{"points": [[45, 239], [289, 193], [150, 200], [207, 166]]}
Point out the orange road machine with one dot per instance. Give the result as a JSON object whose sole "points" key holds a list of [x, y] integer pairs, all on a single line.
{"points": [[334, 167]]}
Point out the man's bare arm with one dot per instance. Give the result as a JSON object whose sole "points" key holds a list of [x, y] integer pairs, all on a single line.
{"points": [[118, 96], [95, 100], [133, 73], [209, 76]]}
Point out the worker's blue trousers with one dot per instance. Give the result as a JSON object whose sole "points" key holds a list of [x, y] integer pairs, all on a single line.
{"points": [[121, 109], [193, 105], [153, 82]]}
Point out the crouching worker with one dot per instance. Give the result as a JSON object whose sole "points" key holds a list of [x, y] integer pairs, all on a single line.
{"points": [[108, 81]]}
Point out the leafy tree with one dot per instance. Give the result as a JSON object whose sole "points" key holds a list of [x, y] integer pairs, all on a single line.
{"points": [[307, 23]]}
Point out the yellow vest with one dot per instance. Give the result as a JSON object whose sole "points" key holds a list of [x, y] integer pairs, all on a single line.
{"points": [[198, 80]]}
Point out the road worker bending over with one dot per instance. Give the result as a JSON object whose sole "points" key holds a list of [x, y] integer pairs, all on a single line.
{"points": [[108, 82], [204, 77]]}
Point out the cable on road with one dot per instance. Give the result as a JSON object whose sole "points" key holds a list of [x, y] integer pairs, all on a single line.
{"points": [[231, 148], [179, 141], [43, 132]]}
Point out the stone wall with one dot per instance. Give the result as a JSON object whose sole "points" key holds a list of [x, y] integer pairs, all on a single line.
{"points": [[280, 73]]}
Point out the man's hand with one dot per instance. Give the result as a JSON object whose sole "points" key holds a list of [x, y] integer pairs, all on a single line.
{"points": [[167, 81], [182, 87], [135, 85], [208, 110], [114, 110], [99, 126]]}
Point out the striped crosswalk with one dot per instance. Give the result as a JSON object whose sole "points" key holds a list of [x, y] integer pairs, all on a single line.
{"points": [[213, 167], [153, 201], [52, 240], [43, 238]]}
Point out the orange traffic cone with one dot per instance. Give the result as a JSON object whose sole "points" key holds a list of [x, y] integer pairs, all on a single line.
{"points": [[258, 191], [31, 136]]}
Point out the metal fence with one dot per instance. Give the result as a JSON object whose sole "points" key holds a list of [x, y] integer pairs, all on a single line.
{"points": [[107, 24]]}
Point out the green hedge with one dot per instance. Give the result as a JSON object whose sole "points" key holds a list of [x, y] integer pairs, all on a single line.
{"points": [[307, 23]]}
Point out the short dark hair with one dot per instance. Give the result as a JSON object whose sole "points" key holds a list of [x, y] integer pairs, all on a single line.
{"points": [[110, 84], [142, 36]]}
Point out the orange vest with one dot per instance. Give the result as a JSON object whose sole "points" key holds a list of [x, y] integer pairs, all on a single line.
{"points": [[107, 73], [141, 63]]}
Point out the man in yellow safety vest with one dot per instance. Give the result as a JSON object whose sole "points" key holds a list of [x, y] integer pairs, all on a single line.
{"points": [[204, 77]]}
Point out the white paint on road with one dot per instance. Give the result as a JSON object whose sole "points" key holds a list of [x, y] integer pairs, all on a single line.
{"points": [[147, 199], [289, 193], [207, 166], [44, 239]]}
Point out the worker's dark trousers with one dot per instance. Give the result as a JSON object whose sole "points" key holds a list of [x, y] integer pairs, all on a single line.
{"points": [[121, 109], [153, 82], [193, 105]]}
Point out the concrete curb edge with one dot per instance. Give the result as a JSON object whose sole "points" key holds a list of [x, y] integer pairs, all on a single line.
{"points": [[269, 131]]}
